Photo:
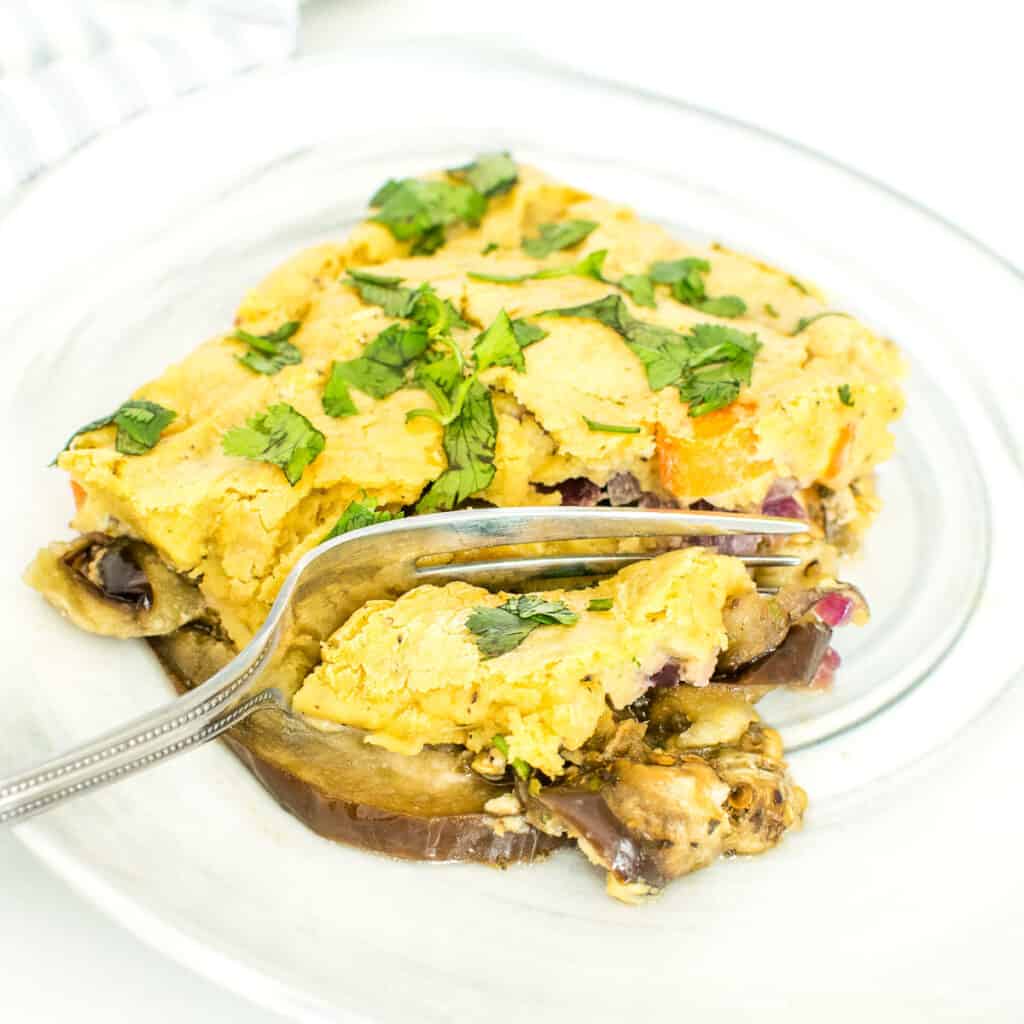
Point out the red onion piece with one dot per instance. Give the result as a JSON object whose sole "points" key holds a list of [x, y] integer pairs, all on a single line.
{"points": [[835, 609], [667, 675], [622, 489], [578, 490], [825, 676], [779, 500], [790, 508]]}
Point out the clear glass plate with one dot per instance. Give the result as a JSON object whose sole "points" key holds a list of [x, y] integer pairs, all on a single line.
{"points": [[148, 238]]}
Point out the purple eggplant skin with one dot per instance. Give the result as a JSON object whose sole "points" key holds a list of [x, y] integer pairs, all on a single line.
{"points": [[795, 662]]}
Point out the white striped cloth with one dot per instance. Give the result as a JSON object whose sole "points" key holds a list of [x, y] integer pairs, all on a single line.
{"points": [[71, 68]]}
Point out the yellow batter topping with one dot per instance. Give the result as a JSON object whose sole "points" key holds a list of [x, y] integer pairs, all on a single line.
{"points": [[817, 409], [411, 672]]}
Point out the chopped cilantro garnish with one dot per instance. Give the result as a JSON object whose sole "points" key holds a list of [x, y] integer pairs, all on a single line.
{"points": [[336, 400], [592, 265], [418, 211], [463, 404], [686, 279], [845, 394], [270, 353], [526, 333], [502, 343], [708, 365], [500, 744], [385, 292], [640, 288], [491, 174], [359, 514], [726, 306], [139, 426], [521, 768], [381, 369], [502, 629], [489, 248], [770, 310], [805, 321], [421, 304], [479, 275], [368, 277], [498, 346], [281, 436], [600, 604], [469, 440], [798, 284], [609, 428], [554, 237]]}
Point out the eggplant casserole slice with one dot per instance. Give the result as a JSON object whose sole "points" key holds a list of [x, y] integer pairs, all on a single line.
{"points": [[491, 336]]}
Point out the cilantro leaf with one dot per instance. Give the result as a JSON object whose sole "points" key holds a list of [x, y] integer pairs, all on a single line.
{"points": [[805, 321], [527, 334], [439, 375], [435, 314], [600, 604], [640, 288], [270, 353], [368, 277], [385, 292], [497, 346], [609, 428], [489, 248], [770, 310], [336, 400], [708, 365], [500, 744], [281, 436], [554, 237], [479, 275], [381, 368], [491, 174], [726, 306], [359, 514], [139, 426], [722, 359], [686, 278], [502, 629], [418, 211], [592, 265], [502, 343], [421, 304], [845, 394], [469, 441]]}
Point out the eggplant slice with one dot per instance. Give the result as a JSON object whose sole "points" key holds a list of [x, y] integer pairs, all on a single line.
{"points": [[663, 787], [114, 586], [427, 807]]}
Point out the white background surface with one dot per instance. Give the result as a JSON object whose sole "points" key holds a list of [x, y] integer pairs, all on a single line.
{"points": [[922, 96]]}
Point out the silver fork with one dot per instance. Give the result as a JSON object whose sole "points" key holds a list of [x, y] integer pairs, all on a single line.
{"points": [[326, 586]]}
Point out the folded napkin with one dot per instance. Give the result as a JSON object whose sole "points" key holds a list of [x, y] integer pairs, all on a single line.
{"points": [[70, 68]]}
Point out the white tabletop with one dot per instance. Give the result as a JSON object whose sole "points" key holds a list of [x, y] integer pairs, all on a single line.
{"points": [[926, 102]]}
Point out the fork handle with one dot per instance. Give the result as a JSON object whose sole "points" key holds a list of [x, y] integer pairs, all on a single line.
{"points": [[196, 718]]}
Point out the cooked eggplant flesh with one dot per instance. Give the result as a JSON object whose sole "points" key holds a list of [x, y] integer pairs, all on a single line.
{"points": [[114, 586]]}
